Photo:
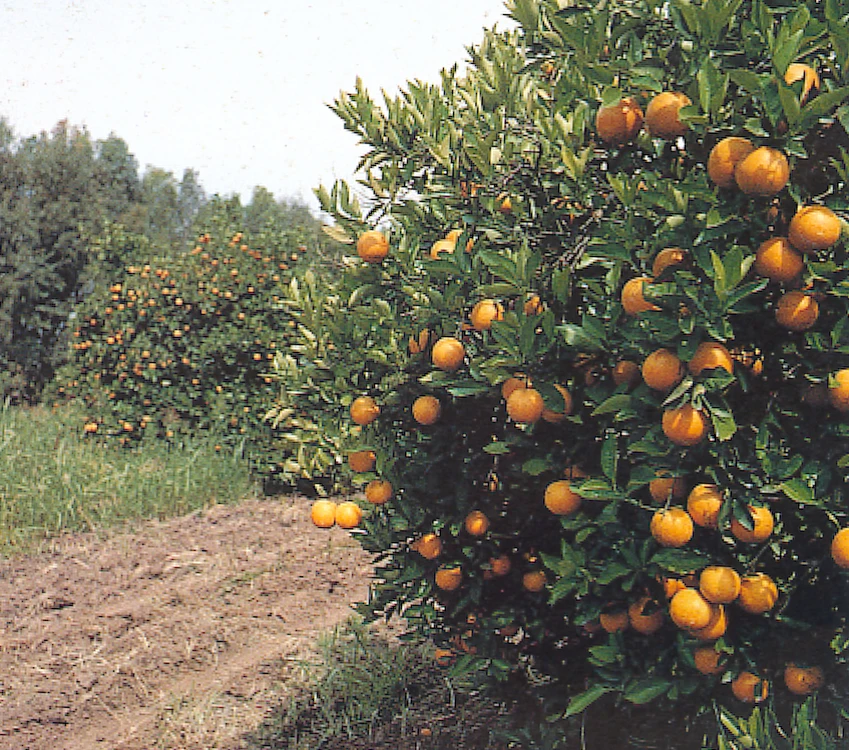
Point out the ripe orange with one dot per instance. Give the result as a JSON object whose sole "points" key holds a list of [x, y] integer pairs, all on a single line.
{"points": [[645, 615], [505, 203], [749, 688], [763, 172], [561, 499], [619, 123], [758, 593], [814, 228], [672, 586], [797, 311], [614, 621], [763, 526], [364, 410], [534, 580], [426, 410], [440, 247], [685, 425], [689, 610], [662, 370], [362, 461], [710, 355], [510, 385], [840, 548], [708, 660], [448, 579], [672, 527], [323, 513], [633, 301], [429, 546], [724, 158], [372, 246], [716, 628], [670, 256], [484, 313], [556, 416], [778, 261], [448, 354], [417, 344], [838, 393], [348, 515], [805, 73], [719, 584], [703, 504], [525, 405], [378, 491], [476, 523], [626, 372], [664, 488], [533, 305], [663, 115], [803, 680]]}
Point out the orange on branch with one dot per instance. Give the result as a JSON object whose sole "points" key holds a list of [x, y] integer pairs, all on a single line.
{"points": [[426, 410], [525, 405], [764, 172], [703, 504], [555, 416], [378, 491], [719, 584], [372, 246], [805, 73], [758, 593], [662, 370], [708, 356], [448, 579], [476, 523], [778, 261], [428, 546], [763, 525], [724, 158], [364, 410], [838, 391], [561, 499], [646, 616], [663, 115], [814, 228], [749, 688], [626, 372], [708, 660], [685, 426], [323, 513], [484, 313], [614, 621], [664, 488], [672, 527], [797, 311], [840, 548], [668, 258], [716, 628], [362, 461], [633, 301], [348, 515], [689, 610], [803, 680], [448, 354], [619, 123], [533, 580]]}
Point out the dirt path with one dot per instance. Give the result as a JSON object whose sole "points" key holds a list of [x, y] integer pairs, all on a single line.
{"points": [[175, 635]]}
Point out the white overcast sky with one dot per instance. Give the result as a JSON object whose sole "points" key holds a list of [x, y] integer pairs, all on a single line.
{"points": [[236, 89]]}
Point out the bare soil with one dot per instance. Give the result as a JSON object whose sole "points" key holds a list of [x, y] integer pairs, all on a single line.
{"points": [[181, 635]]}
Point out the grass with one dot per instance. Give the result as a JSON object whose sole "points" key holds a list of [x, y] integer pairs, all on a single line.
{"points": [[53, 480]]}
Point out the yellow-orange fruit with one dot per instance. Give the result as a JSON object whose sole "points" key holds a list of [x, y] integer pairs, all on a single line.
{"points": [[840, 548], [672, 527], [533, 305], [685, 426], [805, 73], [672, 586], [663, 115], [619, 123], [442, 247], [364, 410], [510, 385], [708, 660], [626, 372], [645, 616], [719, 584], [362, 461], [689, 610], [615, 621], [372, 246], [476, 523], [776, 260], [763, 526], [814, 228], [708, 356], [797, 311], [561, 499], [670, 256], [633, 301], [448, 579], [703, 504], [484, 313], [664, 488], [758, 594], [429, 546], [323, 513], [556, 416], [448, 354], [716, 628], [749, 688], [803, 680], [378, 491], [662, 370], [525, 405], [838, 392], [348, 515], [534, 580], [763, 172], [417, 344], [426, 410], [724, 158]]}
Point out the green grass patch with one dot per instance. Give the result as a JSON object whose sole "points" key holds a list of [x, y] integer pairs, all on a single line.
{"points": [[52, 479]]}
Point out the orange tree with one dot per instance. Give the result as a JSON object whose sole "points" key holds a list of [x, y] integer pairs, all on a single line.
{"points": [[612, 253]]}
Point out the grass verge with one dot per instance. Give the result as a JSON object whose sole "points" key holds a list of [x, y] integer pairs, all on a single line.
{"points": [[52, 479]]}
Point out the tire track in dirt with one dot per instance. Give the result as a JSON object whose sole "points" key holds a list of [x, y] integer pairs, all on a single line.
{"points": [[175, 634]]}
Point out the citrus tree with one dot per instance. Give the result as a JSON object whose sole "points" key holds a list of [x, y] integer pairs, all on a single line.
{"points": [[592, 354]]}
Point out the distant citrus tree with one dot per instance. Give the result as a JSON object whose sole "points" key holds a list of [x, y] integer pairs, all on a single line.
{"points": [[591, 353]]}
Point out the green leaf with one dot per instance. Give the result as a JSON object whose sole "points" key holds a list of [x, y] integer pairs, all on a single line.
{"points": [[799, 491], [581, 701], [679, 560], [611, 572], [613, 404], [496, 449], [536, 466], [610, 457], [646, 690]]}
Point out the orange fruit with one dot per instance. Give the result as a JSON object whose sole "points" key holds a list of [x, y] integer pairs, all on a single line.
{"points": [[372, 246], [484, 312], [703, 504], [500, 566], [362, 461], [662, 370], [533, 305], [708, 660], [533, 580], [561, 499], [763, 172], [426, 410], [642, 621], [633, 301], [749, 688], [525, 405], [685, 425], [803, 680], [614, 621], [619, 123], [763, 526], [378, 491], [664, 488], [708, 356], [838, 394], [797, 311], [556, 416], [778, 261], [814, 228], [716, 628], [626, 372], [323, 513], [689, 610], [840, 548], [724, 158], [672, 527], [348, 515], [510, 385], [429, 546], [805, 73], [672, 586], [417, 344], [441, 247], [454, 235], [505, 203], [663, 115], [670, 256], [758, 593], [448, 354], [364, 410], [719, 584], [448, 579], [476, 523]]}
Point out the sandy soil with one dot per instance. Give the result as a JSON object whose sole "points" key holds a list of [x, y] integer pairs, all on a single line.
{"points": [[180, 634]]}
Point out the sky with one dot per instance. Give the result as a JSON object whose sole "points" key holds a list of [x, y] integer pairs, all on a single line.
{"points": [[235, 89]]}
